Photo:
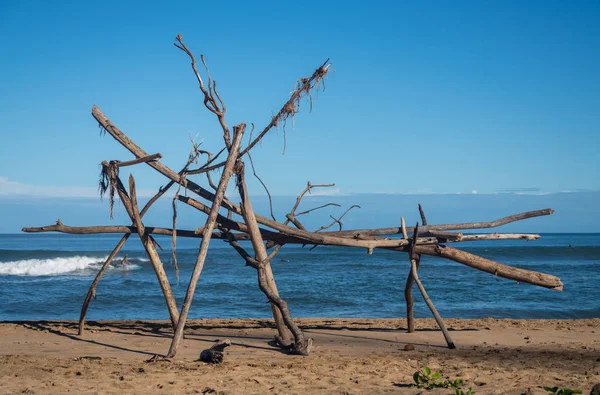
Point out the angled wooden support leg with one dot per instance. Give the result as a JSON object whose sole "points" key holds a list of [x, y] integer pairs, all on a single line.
{"points": [[414, 263], [206, 235], [410, 310], [92, 291]]}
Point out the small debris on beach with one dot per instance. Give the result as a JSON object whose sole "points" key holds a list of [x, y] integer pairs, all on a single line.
{"points": [[215, 353]]}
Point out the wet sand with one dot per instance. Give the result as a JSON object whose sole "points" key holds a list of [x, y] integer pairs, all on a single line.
{"points": [[351, 356]]}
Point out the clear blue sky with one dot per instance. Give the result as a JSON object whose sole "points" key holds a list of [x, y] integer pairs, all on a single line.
{"points": [[434, 97]]}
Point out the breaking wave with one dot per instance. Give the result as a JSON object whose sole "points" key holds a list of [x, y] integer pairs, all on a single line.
{"points": [[51, 266]]}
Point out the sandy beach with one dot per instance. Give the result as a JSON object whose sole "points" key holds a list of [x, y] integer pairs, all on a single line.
{"points": [[350, 356]]}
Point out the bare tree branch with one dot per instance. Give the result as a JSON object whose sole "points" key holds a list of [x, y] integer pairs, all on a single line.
{"points": [[261, 181], [210, 102], [337, 220], [317, 208], [302, 89]]}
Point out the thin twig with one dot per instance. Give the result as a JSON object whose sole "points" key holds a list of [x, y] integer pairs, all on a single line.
{"points": [[337, 220], [261, 181], [317, 208], [291, 216]]}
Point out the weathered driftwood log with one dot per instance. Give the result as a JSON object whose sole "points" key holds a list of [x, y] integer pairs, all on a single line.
{"points": [[462, 226], [136, 161], [265, 276], [132, 209], [208, 228], [414, 265], [92, 290], [489, 266], [130, 204], [121, 229], [410, 303]]}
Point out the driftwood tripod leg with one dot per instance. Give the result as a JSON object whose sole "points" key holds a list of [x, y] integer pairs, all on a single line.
{"points": [[131, 206], [281, 313], [438, 319], [92, 290], [410, 303], [206, 234], [260, 252], [300, 346], [410, 312]]}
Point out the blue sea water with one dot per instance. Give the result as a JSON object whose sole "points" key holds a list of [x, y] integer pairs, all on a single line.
{"points": [[46, 276]]}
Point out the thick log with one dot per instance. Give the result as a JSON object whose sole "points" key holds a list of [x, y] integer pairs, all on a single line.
{"points": [[410, 302], [132, 209], [489, 266], [208, 229], [266, 281]]}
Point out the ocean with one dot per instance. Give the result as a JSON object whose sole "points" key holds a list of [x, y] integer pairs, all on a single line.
{"points": [[46, 277]]}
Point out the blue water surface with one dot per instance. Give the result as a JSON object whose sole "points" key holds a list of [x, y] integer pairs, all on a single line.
{"points": [[46, 276]]}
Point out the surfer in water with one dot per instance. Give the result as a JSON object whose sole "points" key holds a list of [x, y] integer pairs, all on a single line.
{"points": [[125, 262]]}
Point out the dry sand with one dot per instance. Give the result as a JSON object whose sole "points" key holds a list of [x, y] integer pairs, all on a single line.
{"points": [[351, 356]]}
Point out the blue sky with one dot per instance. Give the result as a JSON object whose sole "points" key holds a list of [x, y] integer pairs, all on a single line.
{"points": [[435, 97]]}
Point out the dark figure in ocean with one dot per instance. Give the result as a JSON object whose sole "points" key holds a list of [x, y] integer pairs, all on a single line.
{"points": [[125, 262]]}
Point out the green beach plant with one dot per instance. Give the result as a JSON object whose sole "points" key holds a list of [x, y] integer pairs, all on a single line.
{"points": [[426, 378], [562, 391]]}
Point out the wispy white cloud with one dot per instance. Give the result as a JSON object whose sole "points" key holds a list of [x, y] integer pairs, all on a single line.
{"points": [[325, 192], [531, 190], [524, 191], [14, 188]]}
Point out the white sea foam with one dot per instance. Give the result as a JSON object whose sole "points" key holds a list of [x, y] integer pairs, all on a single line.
{"points": [[48, 267]]}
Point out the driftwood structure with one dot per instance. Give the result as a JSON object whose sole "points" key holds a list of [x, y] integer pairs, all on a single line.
{"points": [[266, 235]]}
